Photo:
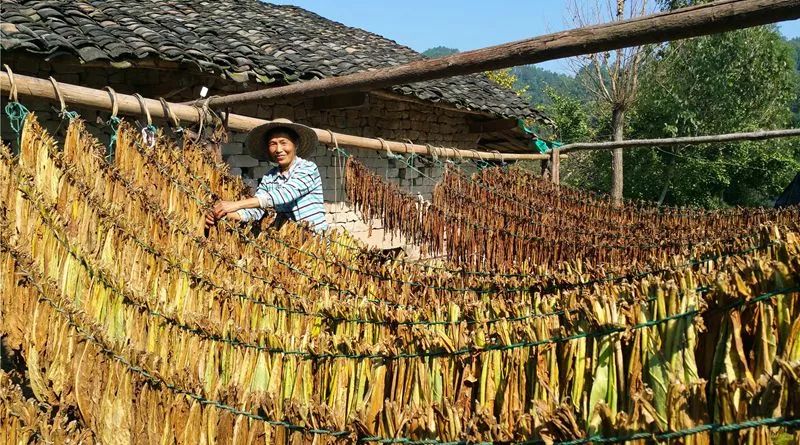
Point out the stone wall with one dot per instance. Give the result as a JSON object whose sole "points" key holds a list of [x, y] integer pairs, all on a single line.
{"points": [[377, 116]]}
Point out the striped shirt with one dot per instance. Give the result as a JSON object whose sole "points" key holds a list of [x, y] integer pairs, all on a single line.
{"points": [[297, 194]]}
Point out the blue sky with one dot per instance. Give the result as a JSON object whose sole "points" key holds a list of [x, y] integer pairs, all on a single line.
{"points": [[462, 24]]}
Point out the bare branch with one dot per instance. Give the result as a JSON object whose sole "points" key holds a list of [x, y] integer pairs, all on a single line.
{"points": [[612, 77]]}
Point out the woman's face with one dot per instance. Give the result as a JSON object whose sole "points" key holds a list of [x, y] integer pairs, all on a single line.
{"points": [[281, 150]]}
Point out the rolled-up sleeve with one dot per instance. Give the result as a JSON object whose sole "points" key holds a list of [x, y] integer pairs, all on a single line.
{"points": [[264, 202], [248, 215]]}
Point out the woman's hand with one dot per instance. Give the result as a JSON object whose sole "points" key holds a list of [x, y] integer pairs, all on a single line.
{"points": [[228, 210], [223, 208], [210, 219]]}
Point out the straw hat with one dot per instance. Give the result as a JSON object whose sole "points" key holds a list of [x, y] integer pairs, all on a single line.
{"points": [[257, 145]]}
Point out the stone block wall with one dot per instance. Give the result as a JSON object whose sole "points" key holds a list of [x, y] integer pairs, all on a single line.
{"points": [[380, 116]]}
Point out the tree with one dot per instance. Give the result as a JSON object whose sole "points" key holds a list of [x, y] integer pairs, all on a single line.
{"points": [[577, 121], [737, 81], [612, 77], [539, 80], [795, 44], [507, 79]]}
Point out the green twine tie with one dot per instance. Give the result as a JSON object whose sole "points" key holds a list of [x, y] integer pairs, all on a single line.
{"points": [[481, 164], [149, 135], [113, 123], [68, 115], [16, 113]]}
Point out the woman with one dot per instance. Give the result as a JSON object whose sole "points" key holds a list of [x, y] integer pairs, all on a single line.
{"points": [[293, 188]]}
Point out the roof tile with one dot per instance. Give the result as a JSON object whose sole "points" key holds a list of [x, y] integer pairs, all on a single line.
{"points": [[244, 39]]}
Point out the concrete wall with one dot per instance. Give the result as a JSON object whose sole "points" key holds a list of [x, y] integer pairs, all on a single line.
{"points": [[378, 116]]}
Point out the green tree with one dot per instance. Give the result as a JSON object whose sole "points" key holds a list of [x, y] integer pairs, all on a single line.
{"points": [[507, 79], [795, 44], [738, 81], [577, 120], [571, 116], [538, 80]]}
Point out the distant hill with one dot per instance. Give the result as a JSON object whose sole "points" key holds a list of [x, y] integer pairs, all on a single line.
{"points": [[537, 79], [439, 51]]}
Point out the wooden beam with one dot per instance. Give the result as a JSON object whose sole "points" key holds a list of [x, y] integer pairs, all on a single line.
{"points": [[708, 18], [75, 95], [689, 140]]}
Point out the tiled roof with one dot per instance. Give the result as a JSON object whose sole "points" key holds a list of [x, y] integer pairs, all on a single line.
{"points": [[244, 40]]}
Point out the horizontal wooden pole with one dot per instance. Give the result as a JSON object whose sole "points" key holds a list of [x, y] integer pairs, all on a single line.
{"points": [[709, 18], [688, 140], [75, 95]]}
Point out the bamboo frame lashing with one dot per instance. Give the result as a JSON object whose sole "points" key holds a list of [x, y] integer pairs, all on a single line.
{"points": [[114, 102], [62, 112], [12, 93]]}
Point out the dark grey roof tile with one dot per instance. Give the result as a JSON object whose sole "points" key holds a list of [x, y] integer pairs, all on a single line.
{"points": [[246, 39], [90, 53]]}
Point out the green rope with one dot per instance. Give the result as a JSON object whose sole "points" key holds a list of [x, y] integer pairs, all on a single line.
{"points": [[68, 115], [113, 123], [711, 428], [177, 266], [467, 350], [559, 339], [537, 238], [331, 286], [149, 135], [550, 288], [481, 164], [108, 282], [158, 381], [16, 113]]}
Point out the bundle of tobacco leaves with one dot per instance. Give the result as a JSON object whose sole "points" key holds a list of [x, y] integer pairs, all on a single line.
{"points": [[142, 328]]}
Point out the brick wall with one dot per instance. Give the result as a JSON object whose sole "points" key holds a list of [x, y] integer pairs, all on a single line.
{"points": [[378, 116]]}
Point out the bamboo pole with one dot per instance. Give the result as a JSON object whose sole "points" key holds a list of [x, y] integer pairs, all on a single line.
{"points": [[128, 104], [709, 18], [688, 140]]}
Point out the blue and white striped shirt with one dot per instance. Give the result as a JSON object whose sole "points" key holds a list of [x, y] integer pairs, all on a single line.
{"points": [[296, 193]]}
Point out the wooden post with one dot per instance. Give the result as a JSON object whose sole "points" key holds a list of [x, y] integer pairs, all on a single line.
{"points": [[555, 167], [704, 19]]}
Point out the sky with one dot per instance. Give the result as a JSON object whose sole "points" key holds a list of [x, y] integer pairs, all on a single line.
{"points": [[461, 24]]}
